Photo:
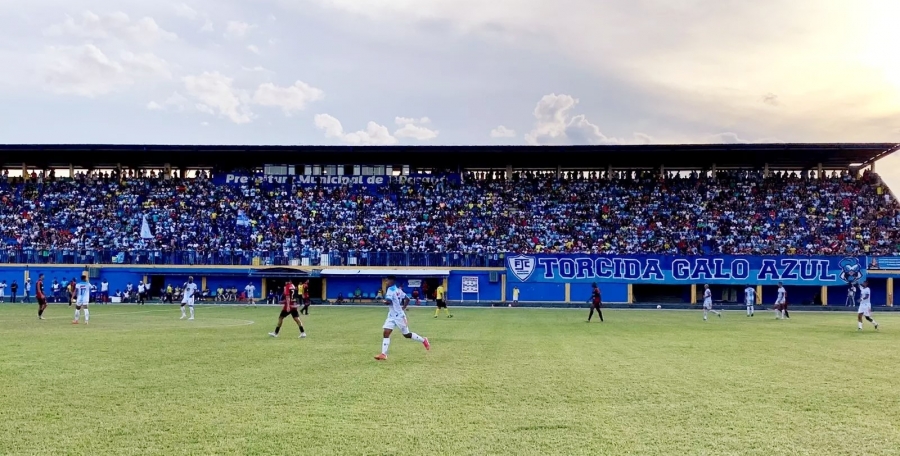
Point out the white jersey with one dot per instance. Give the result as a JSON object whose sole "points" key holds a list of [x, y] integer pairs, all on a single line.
{"points": [[395, 296], [2, 289], [781, 295], [865, 301], [851, 291], [82, 293], [104, 287], [250, 289], [707, 296], [189, 290], [749, 296], [141, 288]]}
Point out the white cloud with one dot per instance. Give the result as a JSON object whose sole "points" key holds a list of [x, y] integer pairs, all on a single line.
{"points": [[253, 49], [215, 93], [237, 29], [555, 125], [408, 120], [117, 25], [373, 135], [185, 11], [87, 71], [292, 98], [256, 69], [416, 132], [154, 106], [207, 26], [503, 132]]}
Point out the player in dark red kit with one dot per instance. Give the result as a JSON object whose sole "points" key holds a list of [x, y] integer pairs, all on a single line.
{"points": [[289, 308], [305, 297], [41, 297], [596, 302]]}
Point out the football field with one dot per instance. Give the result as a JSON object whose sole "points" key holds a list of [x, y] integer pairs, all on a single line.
{"points": [[497, 381]]}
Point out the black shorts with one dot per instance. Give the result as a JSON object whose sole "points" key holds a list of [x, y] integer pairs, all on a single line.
{"points": [[441, 303], [293, 312], [42, 301]]}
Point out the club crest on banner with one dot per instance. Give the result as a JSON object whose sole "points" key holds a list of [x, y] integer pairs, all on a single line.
{"points": [[521, 266]]}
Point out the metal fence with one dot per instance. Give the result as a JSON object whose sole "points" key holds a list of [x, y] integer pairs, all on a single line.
{"points": [[248, 258]]}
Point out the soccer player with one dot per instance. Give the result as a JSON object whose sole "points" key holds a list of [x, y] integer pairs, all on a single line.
{"points": [[304, 294], [289, 308], [596, 302], [707, 303], [865, 307], [251, 291], [41, 298], [781, 303], [750, 299], [2, 291], [190, 289], [82, 299], [27, 297], [515, 295], [397, 300], [71, 289], [851, 296], [142, 292], [441, 302]]}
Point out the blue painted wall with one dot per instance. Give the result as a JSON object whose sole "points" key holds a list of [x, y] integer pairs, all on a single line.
{"points": [[347, 285], [487, 291]]}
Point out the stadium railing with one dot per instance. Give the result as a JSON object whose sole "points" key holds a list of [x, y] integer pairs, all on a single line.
{"points": [[247, 258]]}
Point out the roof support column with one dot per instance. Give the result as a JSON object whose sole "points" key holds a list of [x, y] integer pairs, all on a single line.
{"points": [[713, 169], [609, 172], [662, 170], [167, 171], [508, 172], [24, 171], [558, 171], [766, 170], [873, 167], [820, 172]]}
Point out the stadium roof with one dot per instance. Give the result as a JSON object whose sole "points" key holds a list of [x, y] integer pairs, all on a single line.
{"points": [[685, 156]]}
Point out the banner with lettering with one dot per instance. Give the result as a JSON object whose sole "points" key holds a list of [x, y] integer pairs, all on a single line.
{"points": [[238, 179], [884, 262], [679, 270]]}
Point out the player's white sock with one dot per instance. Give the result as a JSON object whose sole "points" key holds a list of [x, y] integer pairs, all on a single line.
{"points": [[384, 345], [752, 310], [182, 311], [417, 338], [782, 315], [705, 314], [192, 311], [87, 315], [78, 314], [859, 324], [874, 323]]}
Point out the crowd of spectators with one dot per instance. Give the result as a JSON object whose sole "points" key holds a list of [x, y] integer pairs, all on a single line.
{"points": [[487, 215]]}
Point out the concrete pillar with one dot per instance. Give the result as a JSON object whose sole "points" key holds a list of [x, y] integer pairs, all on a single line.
{"points": [[509, 172], [693, 294], [24, 171], [824, 293], [630, 293], [609, 171], [820, 171], [662, 170], [502, 288], [167, 171], [558, 171], [568, 292], [759, 294], [71, 170], [890, 292], [325, 289], [202, 283], [447, 287], [766, 170], [873, 167], [713, 170], [264, 293]]}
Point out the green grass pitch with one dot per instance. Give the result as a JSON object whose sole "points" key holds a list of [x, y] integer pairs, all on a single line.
{"points": [[497, 381]]}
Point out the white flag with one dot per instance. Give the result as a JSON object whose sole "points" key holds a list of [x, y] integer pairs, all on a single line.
{"points": [[145, 229]]}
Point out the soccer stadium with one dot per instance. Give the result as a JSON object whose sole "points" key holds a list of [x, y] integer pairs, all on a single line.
{"points": [[744, 297]]}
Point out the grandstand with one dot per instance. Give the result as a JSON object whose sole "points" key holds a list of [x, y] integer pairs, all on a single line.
{"points": [[310, 211]]}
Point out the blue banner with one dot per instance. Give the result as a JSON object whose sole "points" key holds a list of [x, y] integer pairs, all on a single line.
{"points": [[882, 262], [238, 179], [679, 270]]}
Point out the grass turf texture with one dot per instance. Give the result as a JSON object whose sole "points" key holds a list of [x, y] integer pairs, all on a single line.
{"points": [[497, 381]]}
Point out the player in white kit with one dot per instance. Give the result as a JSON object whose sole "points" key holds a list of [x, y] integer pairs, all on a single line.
{"points": [[750, 299], [707, 303], [865, 307], [190, 289], [781, 303], [397, 300], [82, 299]]}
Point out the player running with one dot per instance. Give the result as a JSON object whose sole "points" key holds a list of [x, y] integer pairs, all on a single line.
{"points": [[781, 303], [865, 307], [750, 299], [596, 302], [441, 302], [397, 300], [82, 299], [289, 308], [190, 289], [41, 297], [707, 303]]}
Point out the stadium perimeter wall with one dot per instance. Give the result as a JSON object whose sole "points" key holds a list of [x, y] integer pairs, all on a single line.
{"points": [[495, 285]]}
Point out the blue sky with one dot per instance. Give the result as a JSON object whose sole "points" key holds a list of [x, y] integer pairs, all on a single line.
{"points": [[450, 72]]}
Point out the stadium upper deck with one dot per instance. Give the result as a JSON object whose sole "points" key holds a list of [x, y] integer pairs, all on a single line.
{"points": [[473, 221]]}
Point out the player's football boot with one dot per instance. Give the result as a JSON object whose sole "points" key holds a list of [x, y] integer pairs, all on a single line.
{"points": [[426, 344], [381, 357]]}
